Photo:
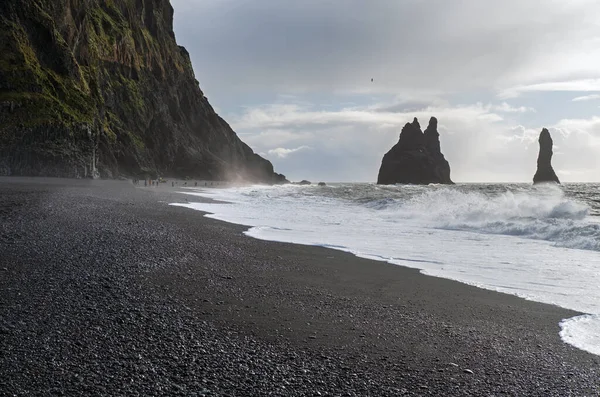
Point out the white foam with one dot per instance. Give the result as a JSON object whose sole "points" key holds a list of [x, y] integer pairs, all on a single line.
{"points": [[582, 332], [547, 215], [518, 242]]}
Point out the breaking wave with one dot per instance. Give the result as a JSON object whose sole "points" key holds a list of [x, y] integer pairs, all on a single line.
{"points": [[540, 243], [543, 213]]}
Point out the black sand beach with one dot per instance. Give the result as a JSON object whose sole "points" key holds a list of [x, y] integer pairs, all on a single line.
{"points": [[107, 290]]}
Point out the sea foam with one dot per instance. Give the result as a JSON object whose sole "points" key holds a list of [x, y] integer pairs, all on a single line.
{"points": [[544, 214], [534, 242]]}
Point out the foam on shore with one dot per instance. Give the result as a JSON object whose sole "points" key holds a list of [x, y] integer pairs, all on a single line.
{"points": [[537, 243]]}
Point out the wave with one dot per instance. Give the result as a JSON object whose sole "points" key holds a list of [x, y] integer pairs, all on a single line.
{"points": [[406, 226], [541, 213], [583, 332]]}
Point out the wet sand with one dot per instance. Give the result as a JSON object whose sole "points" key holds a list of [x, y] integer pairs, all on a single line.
{"points": [[108, 290]]}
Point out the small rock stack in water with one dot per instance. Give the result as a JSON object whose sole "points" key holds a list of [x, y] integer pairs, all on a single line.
{"points": [[545, 172], [416, 158]]}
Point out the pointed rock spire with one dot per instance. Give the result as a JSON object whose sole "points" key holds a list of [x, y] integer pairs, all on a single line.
{"points": [[416, 124], [432, 137], [545, 172]]}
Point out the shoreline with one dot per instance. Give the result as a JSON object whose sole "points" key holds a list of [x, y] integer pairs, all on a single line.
{"points": [[316, 318], [568, 327]]}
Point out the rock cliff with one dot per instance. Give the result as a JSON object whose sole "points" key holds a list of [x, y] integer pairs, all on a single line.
{"points": [[545, 172], [416, 158], [100, 87]]}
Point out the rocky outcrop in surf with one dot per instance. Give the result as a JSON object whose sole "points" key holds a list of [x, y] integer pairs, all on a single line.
{"points": [[101, 88], [416, 158], [545, 172]]}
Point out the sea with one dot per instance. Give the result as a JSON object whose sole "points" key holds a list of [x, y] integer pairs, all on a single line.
{"points": [[539, 242]]}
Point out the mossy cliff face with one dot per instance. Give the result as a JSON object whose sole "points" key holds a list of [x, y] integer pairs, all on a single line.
{"points": [[100, 87]]}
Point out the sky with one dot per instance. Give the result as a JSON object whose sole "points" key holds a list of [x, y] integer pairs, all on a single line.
{"points": [[293, 79]]}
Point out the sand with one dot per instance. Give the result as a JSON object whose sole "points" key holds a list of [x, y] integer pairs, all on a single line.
{"points": [[108, 290]]}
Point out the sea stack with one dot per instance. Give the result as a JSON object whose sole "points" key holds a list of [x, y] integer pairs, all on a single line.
{"points": [[416, 158], [545, 172]]}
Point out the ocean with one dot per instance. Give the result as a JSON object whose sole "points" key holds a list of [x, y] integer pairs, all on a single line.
{"points": [[539, 242]]}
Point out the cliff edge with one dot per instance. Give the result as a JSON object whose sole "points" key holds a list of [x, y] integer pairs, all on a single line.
{"points": [[416, 158], [101, 88], [545, 172]]}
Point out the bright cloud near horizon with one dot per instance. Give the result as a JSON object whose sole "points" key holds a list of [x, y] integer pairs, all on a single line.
{"points": [[294, 81]]}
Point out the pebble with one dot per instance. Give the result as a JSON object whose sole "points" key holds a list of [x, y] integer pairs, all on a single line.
{"points": [[93, 318]]}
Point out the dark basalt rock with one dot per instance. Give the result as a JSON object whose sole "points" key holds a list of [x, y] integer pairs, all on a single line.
{"points": [[322, 184], [545, 172], [304, 182], [416, 158], [101, 88]]}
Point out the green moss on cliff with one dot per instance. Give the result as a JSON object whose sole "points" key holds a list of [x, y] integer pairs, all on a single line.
{"points": [[137, 141], [95, 63], [77, 75], [40, 94]]}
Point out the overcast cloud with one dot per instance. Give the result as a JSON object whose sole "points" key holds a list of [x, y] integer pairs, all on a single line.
{"points": [[294, 80]]}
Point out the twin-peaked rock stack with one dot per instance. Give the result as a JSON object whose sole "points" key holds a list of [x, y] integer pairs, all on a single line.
{"points": [[416, 158]]}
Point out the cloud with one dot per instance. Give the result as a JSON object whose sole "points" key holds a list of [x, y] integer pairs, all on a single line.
{"points": [[505, 107], [348, 144], [298, 74], [571, 86], [586, 98], [283, 152], [294, 117], [412, 45], [577, 144]]}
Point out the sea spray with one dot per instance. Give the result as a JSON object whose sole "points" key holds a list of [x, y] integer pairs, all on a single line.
{"points": [[540, 243], [543, 213]]}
